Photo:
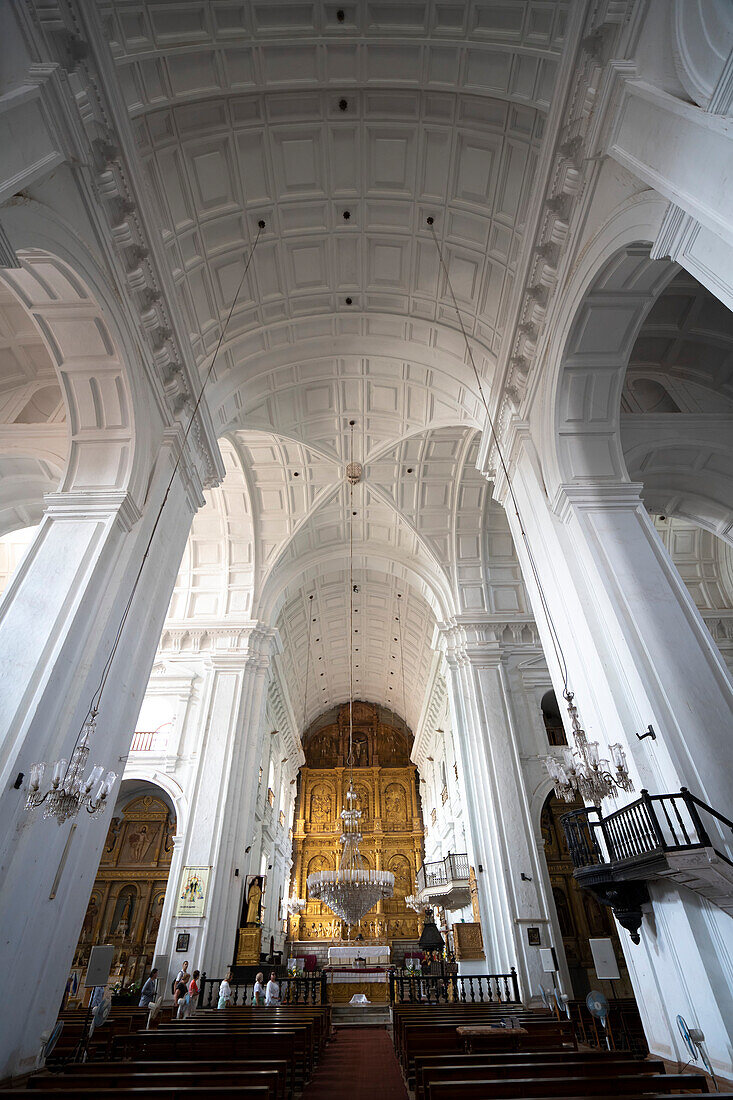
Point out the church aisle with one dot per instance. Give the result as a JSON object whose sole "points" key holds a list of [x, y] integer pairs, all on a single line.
{"points": [[361, 1063]]}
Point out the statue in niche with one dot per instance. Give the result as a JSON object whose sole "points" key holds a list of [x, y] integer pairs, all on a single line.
{"points": [[321, 804], [361, 750], [114, 831], [155, 915], [400, 868], [322, 752], [170, 828], [254, 901], [90, 919], [564, 917], [395, 804], [122, 920], [362, 802]]}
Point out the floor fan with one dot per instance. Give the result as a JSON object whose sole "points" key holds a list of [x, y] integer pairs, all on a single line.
{"points": [[597, 1005], [694, 1039], [154, 1010], [99, 1015], [50, 1042]]}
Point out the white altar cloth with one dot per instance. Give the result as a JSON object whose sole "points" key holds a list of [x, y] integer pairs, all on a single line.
{"points": [[373, 954]]}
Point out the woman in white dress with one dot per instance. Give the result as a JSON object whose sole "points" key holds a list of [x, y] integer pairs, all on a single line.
{"points": [[272, 993], [225, 992], [258, 993]]}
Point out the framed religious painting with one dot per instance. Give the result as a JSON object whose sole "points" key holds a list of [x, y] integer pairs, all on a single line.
{"points": [[193, 892], [182, 941]]}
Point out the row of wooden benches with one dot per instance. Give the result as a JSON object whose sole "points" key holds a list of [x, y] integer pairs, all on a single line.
{"points": [[262, 1054], [539, 1061]]}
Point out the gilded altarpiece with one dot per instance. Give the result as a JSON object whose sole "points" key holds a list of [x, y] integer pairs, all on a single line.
{"points": [[391, 823], [579, 915], [126, 901]]}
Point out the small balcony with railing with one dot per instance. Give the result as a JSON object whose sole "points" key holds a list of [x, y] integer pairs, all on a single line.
{"points": [[661, 836], [445, 882]]}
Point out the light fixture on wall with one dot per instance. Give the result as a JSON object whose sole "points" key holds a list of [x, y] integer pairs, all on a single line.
{"points": [[69, 792], [352, 890], [294, 905], [580, 771]]}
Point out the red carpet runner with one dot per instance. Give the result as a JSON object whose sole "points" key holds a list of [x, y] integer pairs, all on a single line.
{"points": [[359, 1064]]}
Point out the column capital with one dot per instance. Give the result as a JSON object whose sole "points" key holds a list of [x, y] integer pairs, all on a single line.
{"points": [[487, 641], [610, 495], [95, 504], [246, 643]]}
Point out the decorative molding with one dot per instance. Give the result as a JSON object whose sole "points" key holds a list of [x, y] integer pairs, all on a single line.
{"points": [[93, 116], [563, 177]]}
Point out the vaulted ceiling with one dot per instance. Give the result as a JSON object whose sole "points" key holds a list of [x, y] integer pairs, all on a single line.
{"points": [[343, 134]]}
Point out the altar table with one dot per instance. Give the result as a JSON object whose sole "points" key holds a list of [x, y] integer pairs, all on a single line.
{"points": [[343, 982], [371, 953]]}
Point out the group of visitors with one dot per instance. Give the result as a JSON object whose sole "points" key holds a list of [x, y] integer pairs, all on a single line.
{"points": [[262, 994], [186, 991]]}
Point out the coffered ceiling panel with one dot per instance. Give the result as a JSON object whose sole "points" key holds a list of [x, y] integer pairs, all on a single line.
{"points": [[389, 643], [345, 195]]}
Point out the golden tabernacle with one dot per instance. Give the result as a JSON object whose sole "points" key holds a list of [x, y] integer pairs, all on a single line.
{"points": [[391, 824]]}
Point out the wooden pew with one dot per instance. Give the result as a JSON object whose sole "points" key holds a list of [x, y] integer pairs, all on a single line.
{"points": [[122, 1071], [222, 1078], [190, 1045], [522, 1088], [184, 1092], [450, 1070]]}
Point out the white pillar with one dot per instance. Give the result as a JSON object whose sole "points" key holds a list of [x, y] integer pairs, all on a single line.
{"points": [[497, 807], [221, 824], [58, 620], [638, 653]]}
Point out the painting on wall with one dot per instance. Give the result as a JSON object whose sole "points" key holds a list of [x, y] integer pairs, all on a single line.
{"points": [[193, 891]]}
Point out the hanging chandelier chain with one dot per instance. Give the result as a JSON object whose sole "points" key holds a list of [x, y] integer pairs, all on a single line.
{"points": [[581, 771], [402, 663], [307, 659], [68, 792], [557, 646]]}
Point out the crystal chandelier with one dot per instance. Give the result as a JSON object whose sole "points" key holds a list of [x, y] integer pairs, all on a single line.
{"points": [[414, 902], [580, 772], [352, 890], [69, 791]]}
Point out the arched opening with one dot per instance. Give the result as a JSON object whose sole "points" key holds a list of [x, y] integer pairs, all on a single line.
{"points": [[553, 719], [126, 903], [579, 916], [386, 784]]}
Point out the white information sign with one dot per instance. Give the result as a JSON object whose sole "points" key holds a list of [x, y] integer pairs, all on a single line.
{"points": [[100, 964], [604, 959]]}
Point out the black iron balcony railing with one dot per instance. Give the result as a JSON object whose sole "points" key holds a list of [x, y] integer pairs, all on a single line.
{"points": [[442, 872], [654, 824]]}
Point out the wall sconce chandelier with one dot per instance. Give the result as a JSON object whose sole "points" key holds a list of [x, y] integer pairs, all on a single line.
{"points": [[69, 791], [294, 905], [580, 772]]}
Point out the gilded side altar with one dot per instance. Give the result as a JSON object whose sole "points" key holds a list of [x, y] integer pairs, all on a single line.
{"points": [[391, 823]]}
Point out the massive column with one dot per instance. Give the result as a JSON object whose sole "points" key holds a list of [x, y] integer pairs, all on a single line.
{"points": [[58, 620], [639, 654], [497, 808], [221, 825]]}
